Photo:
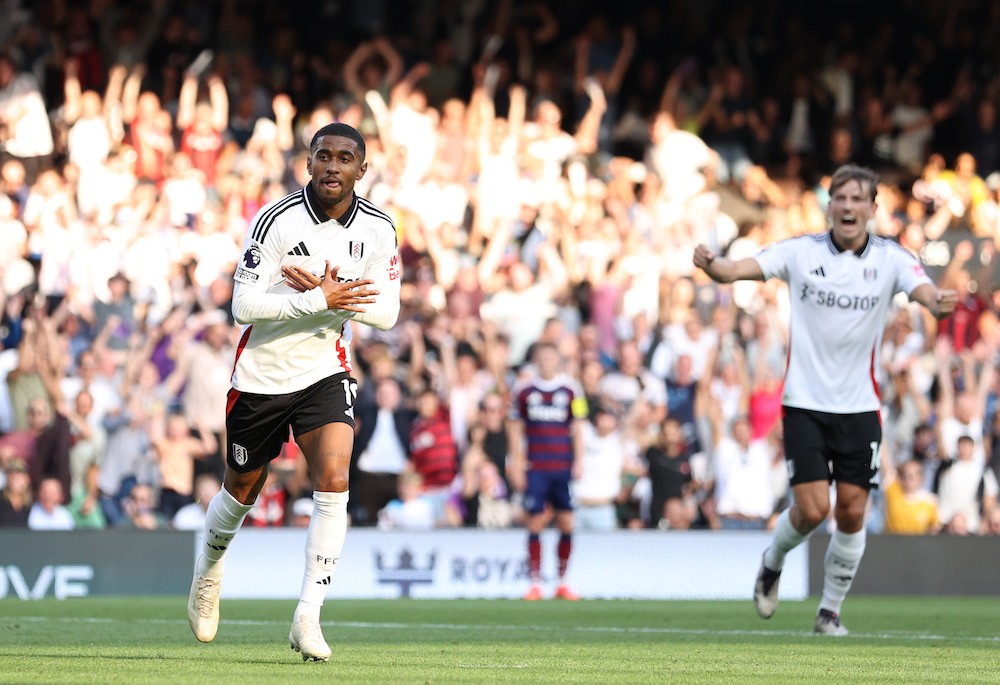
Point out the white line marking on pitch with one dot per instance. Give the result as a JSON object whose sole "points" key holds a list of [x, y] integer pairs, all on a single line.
{"points": [[892, 635]]}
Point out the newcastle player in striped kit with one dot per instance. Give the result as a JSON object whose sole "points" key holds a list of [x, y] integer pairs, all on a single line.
{"points": [[841, 284], [313, 263], [546, 446]]}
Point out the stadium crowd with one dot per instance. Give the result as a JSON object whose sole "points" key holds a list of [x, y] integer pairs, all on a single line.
{"points": [[549, 167]]}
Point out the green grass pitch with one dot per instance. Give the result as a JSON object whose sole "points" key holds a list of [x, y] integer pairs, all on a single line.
{"points": [[147, 640]]}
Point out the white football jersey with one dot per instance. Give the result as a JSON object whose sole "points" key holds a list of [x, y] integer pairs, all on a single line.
{"points": [[839, 304], [291, 340]]}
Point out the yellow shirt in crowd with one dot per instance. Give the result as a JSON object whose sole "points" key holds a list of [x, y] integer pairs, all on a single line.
{"points": [[909, 514]]}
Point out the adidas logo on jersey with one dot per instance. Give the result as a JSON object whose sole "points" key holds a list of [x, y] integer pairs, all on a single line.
{"points": [[818, 272], [300, 250]]}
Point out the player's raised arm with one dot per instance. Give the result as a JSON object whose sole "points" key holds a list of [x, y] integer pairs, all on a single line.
{"points": [[723, 270]]}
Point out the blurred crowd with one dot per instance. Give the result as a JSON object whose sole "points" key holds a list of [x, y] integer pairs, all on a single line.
{"points": [[549, 167]]}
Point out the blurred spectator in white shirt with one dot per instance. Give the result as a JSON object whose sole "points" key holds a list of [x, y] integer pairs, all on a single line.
{"points": [[412, 510], [605, 452], [192, 516], [23, 117], [48, 513], [743, 497]]}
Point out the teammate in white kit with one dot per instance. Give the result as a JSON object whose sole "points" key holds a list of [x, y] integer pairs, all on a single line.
{"points": [[841, 285], [293, 366]]}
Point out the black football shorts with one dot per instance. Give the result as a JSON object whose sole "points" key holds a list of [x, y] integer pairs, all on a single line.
{"points": [[832, 447], [257, 425]]}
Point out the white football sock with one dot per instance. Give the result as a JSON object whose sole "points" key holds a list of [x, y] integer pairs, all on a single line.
{"points": [[843, 556], [786, 538], [324, 540], [224, 517]]}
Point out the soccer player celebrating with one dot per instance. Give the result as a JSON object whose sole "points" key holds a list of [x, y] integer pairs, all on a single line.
{"points": [[546, 443], [841, 285], [293, 366]]}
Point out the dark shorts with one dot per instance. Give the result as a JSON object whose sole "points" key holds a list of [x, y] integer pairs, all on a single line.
{"points": [[547, 486], [832, 447], [257, 425]]}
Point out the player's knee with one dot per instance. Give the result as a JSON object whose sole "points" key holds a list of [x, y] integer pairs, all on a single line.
{"points": [[244, 487], [810, 517], [850, 516], [333, 482], [330, 470]]}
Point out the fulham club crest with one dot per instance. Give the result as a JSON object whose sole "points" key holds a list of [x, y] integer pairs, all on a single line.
{"points": [[357, 250], [871, 275]]}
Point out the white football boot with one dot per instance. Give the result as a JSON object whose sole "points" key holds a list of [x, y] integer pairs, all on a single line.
{"points": [[203, 606], [765, 591], [828, 623], [306, 637]]}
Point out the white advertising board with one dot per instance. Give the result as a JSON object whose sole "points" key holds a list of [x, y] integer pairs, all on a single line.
{"points": [[493, 564]]}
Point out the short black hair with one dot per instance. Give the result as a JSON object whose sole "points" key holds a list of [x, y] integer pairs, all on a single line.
{"points": [[338, 128], [465, 349]]}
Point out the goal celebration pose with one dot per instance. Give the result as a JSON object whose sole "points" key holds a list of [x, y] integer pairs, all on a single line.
{"points": [[293, 366], [841, 284]]}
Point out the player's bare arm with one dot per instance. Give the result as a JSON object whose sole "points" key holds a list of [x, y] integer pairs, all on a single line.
{"points": [[518, 464], [723, 270], [939, 302], [578, 449], [347, 296]]}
